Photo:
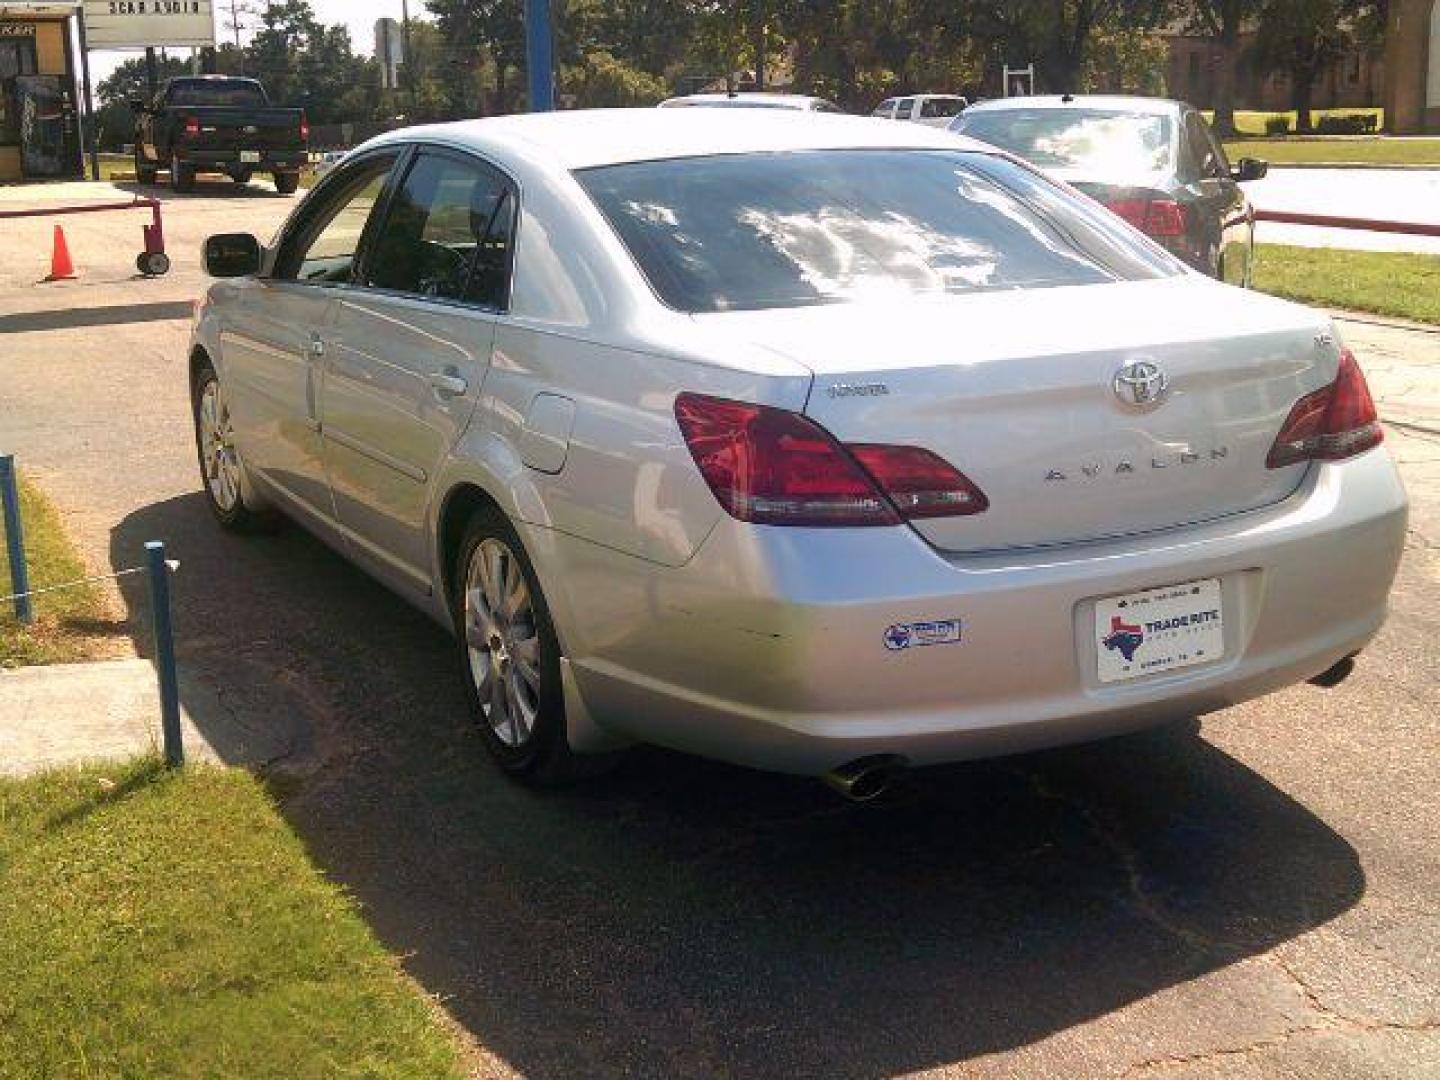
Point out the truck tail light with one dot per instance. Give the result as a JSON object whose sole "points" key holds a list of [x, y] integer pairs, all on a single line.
{"points": [[192, 127], [304, 128], [1337, 421], [774, 467]]}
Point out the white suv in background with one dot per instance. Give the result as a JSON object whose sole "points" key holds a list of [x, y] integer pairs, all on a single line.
{"points": [[933, 110]]}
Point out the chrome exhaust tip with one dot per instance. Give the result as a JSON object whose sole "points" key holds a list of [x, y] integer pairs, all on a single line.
{"points": [[865, 778]]}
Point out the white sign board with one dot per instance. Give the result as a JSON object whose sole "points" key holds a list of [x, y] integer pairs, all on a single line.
{"points": [[138, 24]]}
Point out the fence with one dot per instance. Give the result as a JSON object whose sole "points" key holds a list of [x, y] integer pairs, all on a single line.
{"points": [[157, 570]]}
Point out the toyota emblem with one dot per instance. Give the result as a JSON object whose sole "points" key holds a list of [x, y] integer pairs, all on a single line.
{"points": [[1141, 384]]}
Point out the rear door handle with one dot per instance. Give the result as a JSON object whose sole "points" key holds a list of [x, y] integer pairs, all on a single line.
{"points": [[447, 384]]}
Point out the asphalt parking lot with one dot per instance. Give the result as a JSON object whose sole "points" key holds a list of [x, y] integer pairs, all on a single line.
{"points": [[1251, 894]]}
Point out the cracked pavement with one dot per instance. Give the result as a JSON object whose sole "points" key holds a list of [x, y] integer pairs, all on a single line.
{"points": [[1254, 895]]}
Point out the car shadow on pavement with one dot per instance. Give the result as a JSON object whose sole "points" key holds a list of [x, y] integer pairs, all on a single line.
{"points": [[684, 917], [207, 186]]}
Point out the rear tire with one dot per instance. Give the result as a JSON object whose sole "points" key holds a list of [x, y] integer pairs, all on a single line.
{"points": [[509, 656], [182, 176], [243, 177], [287, 183]]}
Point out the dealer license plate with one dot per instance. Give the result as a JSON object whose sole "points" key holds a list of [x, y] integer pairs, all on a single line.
{"points": [[1158, 630], [249, 157]]}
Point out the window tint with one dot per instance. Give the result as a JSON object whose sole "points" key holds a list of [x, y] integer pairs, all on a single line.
{"points": [[904, 108], [787, 229], [1208, 156], [883, 109], [1102, 140], [447, 234], [323, 250], [934, 108]]}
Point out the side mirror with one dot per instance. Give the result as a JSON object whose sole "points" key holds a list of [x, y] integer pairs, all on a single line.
{"points": [[232, 255], [1249, 168]]}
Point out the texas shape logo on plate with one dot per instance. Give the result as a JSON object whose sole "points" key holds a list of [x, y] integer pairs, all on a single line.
{"points": [[933, 632], [1126, 637]]}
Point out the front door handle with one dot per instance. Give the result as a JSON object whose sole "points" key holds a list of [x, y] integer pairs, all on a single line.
{"points": [[447, 384]]}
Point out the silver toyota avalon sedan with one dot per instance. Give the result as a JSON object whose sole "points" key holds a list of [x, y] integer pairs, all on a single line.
{"points": [[799, 441]]}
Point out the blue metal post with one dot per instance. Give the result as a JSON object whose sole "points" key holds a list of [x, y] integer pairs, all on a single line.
{"points": [[158, 570], [15, 541], [539, 55]]}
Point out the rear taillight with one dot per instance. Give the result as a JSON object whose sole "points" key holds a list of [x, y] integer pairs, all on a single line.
{"points": [[192, 128], [1334, 422], [304, 128], [920, 484], [1160, 218], [774, 467]]}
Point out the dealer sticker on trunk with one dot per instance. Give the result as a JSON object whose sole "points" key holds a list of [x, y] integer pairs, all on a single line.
{"points": [[1145, 633]]}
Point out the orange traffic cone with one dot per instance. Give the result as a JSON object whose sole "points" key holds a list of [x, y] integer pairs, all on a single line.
{"points": [[61, 266]]}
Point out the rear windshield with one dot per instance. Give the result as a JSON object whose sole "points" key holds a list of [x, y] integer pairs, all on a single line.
{"points": [[750, 231], [934, 108], [235, 94], [1096, 139]]}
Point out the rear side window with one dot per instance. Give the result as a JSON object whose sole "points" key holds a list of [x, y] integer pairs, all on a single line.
{"points": [[937, 108], [786, 229]]}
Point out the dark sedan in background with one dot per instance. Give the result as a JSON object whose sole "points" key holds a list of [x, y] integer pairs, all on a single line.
{"points": [[1156, 163]]}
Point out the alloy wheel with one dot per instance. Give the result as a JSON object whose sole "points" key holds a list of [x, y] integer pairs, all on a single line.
{"points": [[503, 642], [218, 457]]}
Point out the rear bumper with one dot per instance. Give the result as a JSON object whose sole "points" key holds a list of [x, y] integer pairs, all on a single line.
{"points": [[229, 160], [768, 648]]}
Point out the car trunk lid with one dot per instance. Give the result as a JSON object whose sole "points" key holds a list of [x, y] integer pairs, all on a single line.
{"points": [[1032, 395]]}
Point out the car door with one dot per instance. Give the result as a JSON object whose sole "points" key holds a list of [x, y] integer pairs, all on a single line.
{"points": [[1225, 211], [273, 340], [409, 350]]}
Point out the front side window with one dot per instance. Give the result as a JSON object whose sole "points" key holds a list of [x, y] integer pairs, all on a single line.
{"points": [[904, 108], [323, 250], [750, 231], [1097, 140], [1204, 149], [447, 234]]}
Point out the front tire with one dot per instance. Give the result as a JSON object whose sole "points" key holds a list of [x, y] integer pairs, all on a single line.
{"points": [[287, 183], [144, 172], [510, 656], [221, 471]]}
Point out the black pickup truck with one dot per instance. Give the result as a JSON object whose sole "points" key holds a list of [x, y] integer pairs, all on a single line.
{"points": [[217, 123]]}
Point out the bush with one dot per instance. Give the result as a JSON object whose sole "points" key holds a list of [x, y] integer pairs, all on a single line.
{"points": [[1277, 125], [1352, 124]]}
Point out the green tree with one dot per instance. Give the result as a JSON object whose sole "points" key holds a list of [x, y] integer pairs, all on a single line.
{"points": [[114, 119], [1303, 37], [1222, 21]]}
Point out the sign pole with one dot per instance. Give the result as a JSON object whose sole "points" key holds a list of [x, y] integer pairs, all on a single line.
{"points": [[539, 55], [92, 123]]}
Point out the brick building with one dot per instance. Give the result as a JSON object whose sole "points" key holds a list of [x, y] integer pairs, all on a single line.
{"points": [[1356, 80], [1412, 54]]}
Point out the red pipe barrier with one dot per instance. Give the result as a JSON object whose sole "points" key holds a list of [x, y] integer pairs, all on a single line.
{"points": [[151, 262], [1411, 228]]}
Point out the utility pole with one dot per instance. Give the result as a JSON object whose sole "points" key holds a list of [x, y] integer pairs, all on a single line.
{"points": [[540, 55], [758, 37]]}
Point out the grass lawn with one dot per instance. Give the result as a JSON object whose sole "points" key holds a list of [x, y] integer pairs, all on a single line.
{"points": [[1338, 149], [1386, 283], [170, 924], [69, 625]]}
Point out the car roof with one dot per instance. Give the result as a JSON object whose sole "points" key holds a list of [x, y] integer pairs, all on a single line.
{"points": [[1113, 102], [756, 97], [591, 137]]}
